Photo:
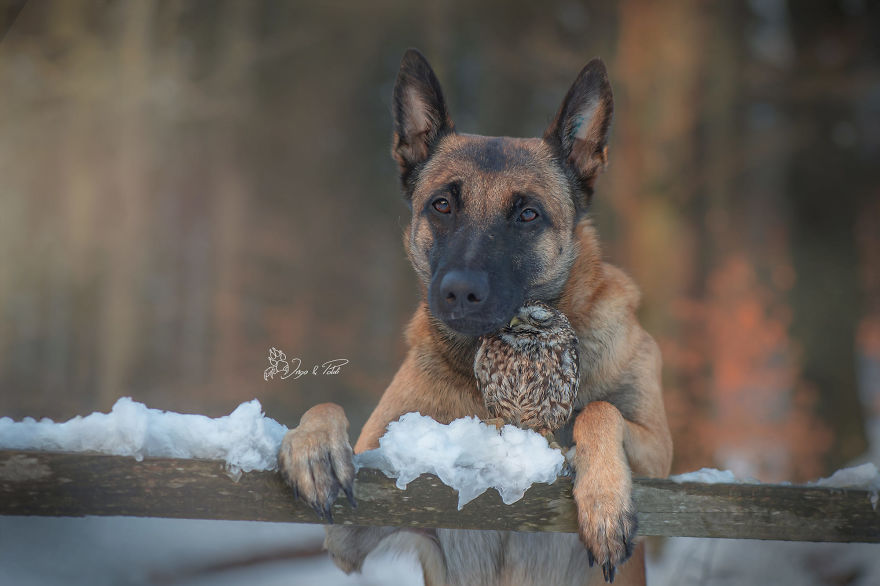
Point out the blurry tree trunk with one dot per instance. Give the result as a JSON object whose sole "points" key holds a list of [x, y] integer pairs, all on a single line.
{"points": [[230, 195], [8, 14], [658, 75], [653, 169], [127, 217], [826, 202], [83, 215]]}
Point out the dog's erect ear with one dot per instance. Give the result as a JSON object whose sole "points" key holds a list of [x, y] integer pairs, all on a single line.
{"points": [[579, 133], [420, 115]]}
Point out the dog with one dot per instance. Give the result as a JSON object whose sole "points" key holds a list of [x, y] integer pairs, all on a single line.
{"points": [[497, 221]]}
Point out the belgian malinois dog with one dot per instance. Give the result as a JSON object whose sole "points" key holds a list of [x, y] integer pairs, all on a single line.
{"points": [[496, 222]]}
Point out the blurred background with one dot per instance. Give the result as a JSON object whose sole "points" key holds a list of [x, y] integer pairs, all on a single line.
{"points": [[184, 185]]}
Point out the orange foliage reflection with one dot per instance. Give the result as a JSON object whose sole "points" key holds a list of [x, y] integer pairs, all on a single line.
{"points": [[736, 362]]}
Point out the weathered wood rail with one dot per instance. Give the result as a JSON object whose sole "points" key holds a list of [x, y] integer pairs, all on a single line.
{"points": [[72, 485]]}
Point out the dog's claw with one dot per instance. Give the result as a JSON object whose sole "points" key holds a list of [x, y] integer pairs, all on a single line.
{"points": [[608, 570], [328, 512], [349, 494]]}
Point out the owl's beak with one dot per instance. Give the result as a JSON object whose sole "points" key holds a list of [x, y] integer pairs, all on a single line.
{"points": [[514, 321]]}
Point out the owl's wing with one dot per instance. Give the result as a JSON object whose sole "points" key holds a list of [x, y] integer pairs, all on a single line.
{"points": [[571, 367], [481, 368]]}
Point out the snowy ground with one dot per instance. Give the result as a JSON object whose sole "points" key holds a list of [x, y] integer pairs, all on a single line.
{"points": [[125, 551], [97, 551], [685, 561]]}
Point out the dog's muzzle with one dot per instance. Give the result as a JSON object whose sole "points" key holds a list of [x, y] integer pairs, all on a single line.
{"points": [[463, 300]]}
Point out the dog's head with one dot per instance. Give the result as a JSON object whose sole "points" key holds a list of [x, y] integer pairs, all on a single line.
{"points": [[493, 219]]}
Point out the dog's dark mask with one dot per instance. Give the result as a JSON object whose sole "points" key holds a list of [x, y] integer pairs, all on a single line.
{"points": [[478, 280]]}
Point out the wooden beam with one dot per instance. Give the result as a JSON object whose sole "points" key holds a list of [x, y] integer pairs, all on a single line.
{"points": [[73, 485]]}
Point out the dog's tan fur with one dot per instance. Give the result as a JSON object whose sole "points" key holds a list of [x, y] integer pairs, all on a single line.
{"points": [[621, 429]]}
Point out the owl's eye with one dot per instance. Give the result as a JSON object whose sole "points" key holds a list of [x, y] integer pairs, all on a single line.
{"points": [[540, 315]]}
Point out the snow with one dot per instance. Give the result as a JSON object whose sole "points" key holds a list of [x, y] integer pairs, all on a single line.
{"points": [[468, 455], [863, 477], [709, 476], [866, 476], [245, 439]]}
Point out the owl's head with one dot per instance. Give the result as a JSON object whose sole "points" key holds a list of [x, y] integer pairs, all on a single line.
{"points": [[535, 318]]}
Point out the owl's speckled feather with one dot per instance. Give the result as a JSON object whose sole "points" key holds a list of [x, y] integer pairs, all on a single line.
{"points": [[528, 372]]}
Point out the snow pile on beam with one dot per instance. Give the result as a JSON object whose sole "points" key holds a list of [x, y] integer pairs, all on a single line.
{"points": [[468, 455], [710, 476], [245, 439], [864, 477]]}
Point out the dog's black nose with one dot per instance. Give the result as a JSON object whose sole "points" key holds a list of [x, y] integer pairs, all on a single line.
{"points": [[462, 291]]}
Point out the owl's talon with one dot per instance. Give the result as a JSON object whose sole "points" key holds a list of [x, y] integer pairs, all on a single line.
{"points": [[551, 441], [498, 422]]}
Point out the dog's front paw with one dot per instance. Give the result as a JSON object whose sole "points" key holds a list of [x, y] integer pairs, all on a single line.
{"points": [[607, 519], [603, 487], [316, 459]]}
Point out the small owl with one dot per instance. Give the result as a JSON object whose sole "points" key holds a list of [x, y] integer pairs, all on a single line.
{"points": [[528, 371]]}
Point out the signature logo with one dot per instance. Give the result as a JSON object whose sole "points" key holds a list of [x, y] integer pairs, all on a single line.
{"points": [[285, 368]]}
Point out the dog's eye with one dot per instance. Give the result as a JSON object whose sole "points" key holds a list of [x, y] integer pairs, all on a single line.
{"points": [[527, 215], [442, 205]]}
